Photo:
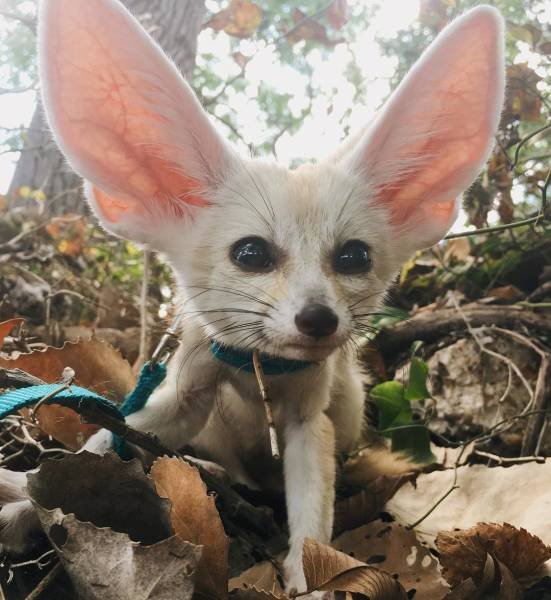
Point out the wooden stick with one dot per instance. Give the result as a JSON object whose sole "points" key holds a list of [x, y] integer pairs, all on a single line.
{"points": [[45, 582], [267, 404]]}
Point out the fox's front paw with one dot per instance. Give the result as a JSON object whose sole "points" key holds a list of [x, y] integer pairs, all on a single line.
{"points": [[100, 443], [19, 527], [296, 582]]}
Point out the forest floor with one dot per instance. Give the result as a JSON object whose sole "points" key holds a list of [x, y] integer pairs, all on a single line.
{"points": [[460, 383]]}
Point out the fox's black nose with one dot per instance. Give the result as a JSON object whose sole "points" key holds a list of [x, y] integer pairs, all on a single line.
{"points": [[316, 320]]}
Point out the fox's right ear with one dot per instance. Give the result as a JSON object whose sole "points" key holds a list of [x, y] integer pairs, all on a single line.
{"points": [[433, 136], [125, 119]]}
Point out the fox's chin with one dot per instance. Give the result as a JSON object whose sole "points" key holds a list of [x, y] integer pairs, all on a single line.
{"points": [[308, 349]]}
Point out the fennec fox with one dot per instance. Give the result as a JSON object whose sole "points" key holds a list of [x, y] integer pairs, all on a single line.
{"points": [[290, 263]]}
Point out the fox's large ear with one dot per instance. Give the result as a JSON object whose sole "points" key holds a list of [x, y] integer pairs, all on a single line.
{"points": [[436, 131], [125, 118]]}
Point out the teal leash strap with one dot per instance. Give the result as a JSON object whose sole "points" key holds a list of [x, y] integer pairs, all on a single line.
{"points": [[242, 360], [14, 400], [151, 376]]}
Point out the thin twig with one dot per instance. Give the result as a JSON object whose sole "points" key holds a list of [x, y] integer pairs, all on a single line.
{"points": [[452, 488], [505, 460], [523, 141], [540, 217], [495, 354], [495, 229], [45, 582], [144, 337], [267, 404]]}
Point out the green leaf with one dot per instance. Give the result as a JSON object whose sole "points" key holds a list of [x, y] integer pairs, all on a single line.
{"points": [[393, 407], [417, 386], [415, 442]]}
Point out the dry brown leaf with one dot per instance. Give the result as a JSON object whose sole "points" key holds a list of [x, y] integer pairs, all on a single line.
{"points": [[522, 102], [64, 425], [6, 328], [395, 549], [195, 519], [240, 19], [337, 14], [496, 582], [374, 462], [306, 28], [111, 530], [367, 505], [505, 206], [509, 588], [70, 233], [98, 366], [458, 249], [329, 570], [462, 553], [506, 293], [261, 578]]}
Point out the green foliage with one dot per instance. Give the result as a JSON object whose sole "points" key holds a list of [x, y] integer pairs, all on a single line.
{"points": [[397, 419], [17, 45]]}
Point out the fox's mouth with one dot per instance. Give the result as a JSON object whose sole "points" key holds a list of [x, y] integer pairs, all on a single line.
{"points": [[311, 349]]}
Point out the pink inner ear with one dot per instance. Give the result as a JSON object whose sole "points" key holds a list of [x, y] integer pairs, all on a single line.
{"points": [[120, 111], [437, 130]]}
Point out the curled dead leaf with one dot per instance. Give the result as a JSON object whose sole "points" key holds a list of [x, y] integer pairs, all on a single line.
{"points": [[463, 553], [195, 519], [327, 569]]}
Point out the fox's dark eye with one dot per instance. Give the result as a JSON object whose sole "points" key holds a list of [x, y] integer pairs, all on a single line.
{"points": [[352, 258], [253, 254]]}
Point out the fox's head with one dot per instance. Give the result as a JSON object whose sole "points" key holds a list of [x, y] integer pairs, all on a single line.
{"points": [[291, 262]]}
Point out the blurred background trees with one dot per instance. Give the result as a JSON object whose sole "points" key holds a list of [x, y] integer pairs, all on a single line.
{"points": [[288, 79], [297, 38]]}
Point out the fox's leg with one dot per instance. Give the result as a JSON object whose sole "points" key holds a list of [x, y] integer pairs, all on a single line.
{"points": [[309, 468]]}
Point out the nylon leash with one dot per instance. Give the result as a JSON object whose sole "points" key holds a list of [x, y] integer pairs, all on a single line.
{"points": [[151, 376]]}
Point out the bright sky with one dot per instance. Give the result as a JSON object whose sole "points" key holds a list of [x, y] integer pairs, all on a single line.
{"points": [[320, 132]]}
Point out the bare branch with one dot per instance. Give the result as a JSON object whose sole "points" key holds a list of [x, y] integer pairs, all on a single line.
{"points": [[29, 22], [19, 90]]}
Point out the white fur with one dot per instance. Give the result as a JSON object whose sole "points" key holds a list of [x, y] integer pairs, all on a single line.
{"points": [[393, 187]]}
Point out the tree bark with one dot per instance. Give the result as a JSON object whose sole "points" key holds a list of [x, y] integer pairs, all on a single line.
{"points": [[175, 25]]}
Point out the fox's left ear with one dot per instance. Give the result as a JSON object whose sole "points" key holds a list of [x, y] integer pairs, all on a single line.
{"points": [[126, 120], [437, 130]]}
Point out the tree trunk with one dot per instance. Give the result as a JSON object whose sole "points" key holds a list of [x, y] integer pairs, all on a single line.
{"points": [[175, 24]]}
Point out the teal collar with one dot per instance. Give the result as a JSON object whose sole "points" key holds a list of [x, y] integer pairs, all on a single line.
{"points": [[243, 360]]}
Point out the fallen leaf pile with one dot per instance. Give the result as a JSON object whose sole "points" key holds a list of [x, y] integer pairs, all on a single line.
{"points": [[122, 533]]}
